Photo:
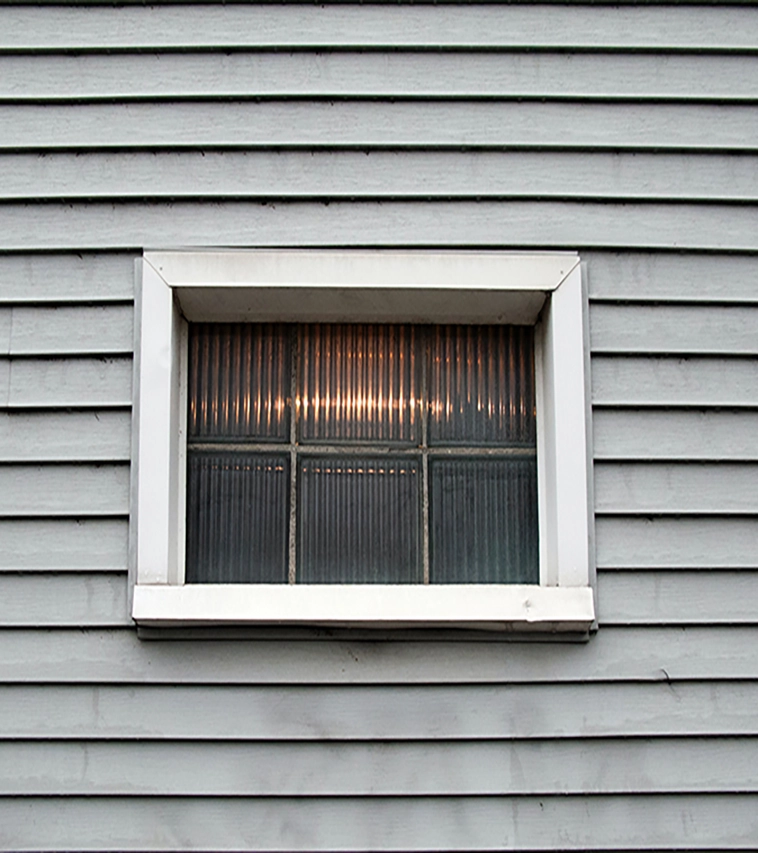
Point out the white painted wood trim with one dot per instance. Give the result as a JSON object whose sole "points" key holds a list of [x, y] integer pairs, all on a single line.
{"points": [[276, 285], [545, 464], [134, 468], [355, 268], [562, 451], [486, 607], [356, 286], [179, 450], [158, 399], [570, 450]]}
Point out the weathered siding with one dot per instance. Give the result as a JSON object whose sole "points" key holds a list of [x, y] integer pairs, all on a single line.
{"points": [[629, 134]]}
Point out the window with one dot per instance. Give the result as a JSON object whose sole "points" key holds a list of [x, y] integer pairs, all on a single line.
{"points": [[361, 453], [309, 424]]}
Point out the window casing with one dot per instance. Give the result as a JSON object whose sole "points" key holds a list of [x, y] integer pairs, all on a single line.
{"points": [[362, 287]]}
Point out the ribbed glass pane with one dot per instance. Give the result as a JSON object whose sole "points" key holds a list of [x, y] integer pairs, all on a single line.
{"points": [[359, 383], [483, 521], [237, 518], [239, 381], [358, 520], [481, 385]]}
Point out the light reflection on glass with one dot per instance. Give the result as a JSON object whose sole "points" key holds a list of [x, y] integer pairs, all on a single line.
{"points": [[346, 394], [481, 385], [363, 383], [239, 381]]}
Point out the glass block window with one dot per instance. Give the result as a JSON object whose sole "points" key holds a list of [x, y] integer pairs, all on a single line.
{"points": [[371, 454]]}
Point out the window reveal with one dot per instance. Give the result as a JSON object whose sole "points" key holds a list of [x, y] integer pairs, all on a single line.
{"points": [[408, 456]]}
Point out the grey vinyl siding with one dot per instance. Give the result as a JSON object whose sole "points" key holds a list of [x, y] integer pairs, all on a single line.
{"points": [[327, 713], [347, 122], [65, 436], [685, 434], [440, 822], [97, 77], [379, 174], [666, 28], [628, 134]]}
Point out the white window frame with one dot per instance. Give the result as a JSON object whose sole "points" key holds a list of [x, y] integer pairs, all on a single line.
{"points": [[358, 286]]}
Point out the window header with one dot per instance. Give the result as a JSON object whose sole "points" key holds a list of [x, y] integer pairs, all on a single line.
{"points": [[358, 286]]}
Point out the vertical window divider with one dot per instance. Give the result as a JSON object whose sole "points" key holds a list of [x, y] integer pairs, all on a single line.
{"points": [[294, 376], [424, 454]]}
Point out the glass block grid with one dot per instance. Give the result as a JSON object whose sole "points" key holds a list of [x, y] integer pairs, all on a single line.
{"points": [[331, 453]]}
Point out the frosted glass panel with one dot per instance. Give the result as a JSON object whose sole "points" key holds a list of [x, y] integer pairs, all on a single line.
{"points": [[237, 518], [481, 385], [359, 520], [239, 381], [359, 383], [441, 393], [483, 521]]}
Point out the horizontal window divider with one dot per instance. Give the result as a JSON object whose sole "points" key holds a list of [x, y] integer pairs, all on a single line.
{"points": [[359, 449]]}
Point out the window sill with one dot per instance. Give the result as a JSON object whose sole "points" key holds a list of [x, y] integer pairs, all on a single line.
{"points": [[511, 608]]}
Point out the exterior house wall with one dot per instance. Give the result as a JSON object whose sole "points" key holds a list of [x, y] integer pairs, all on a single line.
{"points": [[628, 134]]}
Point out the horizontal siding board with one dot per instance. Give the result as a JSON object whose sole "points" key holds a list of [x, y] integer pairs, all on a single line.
{"points": [[625, 598], [61, 490], [676, 487], [677, 543], [63, 545], [614, 654], [485, 224], [672, 381], [674, 329], [59, 545], [35, 600], [79, 330], [675, 434], [379, 124], [694, 822], [72, 382], [5, 331], [65, 436], [677, 597], [76, 277], [5, 381], [632, 766], [380, 174], [398, 74], [655, 598], [659, 276], [344, 25], [377, 713]]}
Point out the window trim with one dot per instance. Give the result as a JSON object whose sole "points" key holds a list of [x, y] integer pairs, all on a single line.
{"points": [[358, 286]]}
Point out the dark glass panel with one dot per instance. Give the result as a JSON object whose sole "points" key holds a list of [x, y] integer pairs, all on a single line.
{"points": [[237, 518], [358, 520], [483, 518], [239, 381], [481, 385], [359, 383]]}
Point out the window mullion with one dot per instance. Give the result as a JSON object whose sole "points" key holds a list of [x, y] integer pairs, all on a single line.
{"points": [[294, 408], [424, 455]]}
